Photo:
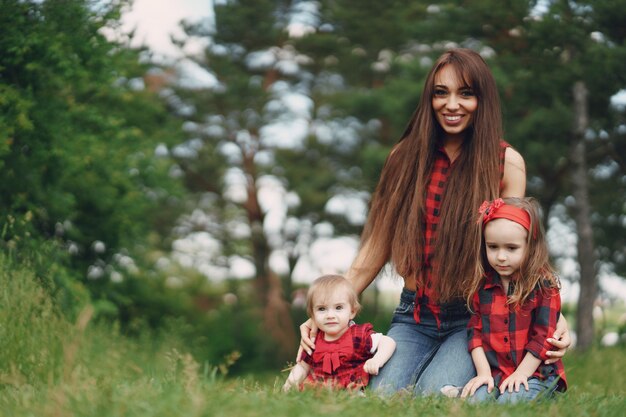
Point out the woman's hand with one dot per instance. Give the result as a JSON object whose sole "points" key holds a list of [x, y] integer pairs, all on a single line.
{"points": [[561, 340], [308, 332]]}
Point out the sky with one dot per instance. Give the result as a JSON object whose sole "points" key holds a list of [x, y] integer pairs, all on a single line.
{"points": [[156, 20]]}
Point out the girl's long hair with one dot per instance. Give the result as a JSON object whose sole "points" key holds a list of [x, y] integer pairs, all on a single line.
{"points": [[535, 270], [396, 224]]}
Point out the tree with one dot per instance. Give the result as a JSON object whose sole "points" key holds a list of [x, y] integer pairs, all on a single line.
{"points": [[78, 133], [250, 55], [557, 108]]}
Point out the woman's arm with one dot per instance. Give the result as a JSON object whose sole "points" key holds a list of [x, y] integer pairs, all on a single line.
{"points": [[514, 178], [364, 268]]}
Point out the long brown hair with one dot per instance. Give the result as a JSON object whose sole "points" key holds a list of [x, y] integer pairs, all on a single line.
{"points": [[535, 270], [395, 226]]}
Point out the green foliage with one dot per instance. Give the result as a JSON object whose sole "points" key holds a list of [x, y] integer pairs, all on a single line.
{"points": [[30, 326], [50, 365], [251, 23], [77, 138]]}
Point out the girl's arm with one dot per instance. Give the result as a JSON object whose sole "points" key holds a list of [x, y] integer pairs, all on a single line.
{"points": [[475, 344], [297, 375], [386, 347], [547, 312], [524, 370], [560, 339], [483, 374]]}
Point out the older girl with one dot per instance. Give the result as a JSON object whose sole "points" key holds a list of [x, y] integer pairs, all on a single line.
{"points": [[516, 304]]}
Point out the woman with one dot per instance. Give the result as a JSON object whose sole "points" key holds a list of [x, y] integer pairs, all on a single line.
{"points": [[449, 160]]}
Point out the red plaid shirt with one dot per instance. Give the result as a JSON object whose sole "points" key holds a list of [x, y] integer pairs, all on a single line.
{"points": [[425, 295], [350, 374], [506, 334]]}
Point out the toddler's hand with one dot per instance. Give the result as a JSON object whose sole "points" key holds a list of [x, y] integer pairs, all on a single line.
{"points": [[288, 385], [371, 366]]}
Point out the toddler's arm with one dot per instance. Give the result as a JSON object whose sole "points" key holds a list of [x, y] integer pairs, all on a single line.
{"points": [[297, 375], [524, 370], [386, 347]]}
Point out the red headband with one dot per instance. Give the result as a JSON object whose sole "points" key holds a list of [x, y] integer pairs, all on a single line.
{"points": [[497, 209]]}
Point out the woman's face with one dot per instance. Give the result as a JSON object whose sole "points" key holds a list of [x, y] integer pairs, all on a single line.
{"points": [[453, 102]]}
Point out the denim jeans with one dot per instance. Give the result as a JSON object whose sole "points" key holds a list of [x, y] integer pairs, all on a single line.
{"points": [[426, 357], [536, 389]]}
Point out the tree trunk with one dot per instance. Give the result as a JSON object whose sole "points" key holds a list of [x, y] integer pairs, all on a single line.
{"points": [[582, 216], [277, 320]]}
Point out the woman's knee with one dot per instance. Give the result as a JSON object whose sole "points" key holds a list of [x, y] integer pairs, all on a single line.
{"points": [[537, 390], [397, 374], [451, 365], [483, 395]]}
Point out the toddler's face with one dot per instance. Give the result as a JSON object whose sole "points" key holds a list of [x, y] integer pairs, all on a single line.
{"points": [[332, 313]]}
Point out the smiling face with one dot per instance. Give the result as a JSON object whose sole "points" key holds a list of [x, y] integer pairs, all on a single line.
{"points": [[332, 313], [505, 244], [454, 103]]}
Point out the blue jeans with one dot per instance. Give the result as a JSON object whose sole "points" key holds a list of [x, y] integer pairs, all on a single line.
{"points": [[536, 389], [426, 357]]}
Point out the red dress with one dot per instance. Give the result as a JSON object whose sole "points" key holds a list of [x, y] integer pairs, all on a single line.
{"points": [[340, 363]]}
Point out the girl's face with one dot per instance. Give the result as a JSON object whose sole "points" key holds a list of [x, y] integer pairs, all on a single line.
{"points": [[453, 102], [505, 243], [332, 313]]}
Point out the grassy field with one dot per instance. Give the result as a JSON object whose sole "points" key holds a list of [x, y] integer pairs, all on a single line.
{"points": [[51, 367], [172, 386]]}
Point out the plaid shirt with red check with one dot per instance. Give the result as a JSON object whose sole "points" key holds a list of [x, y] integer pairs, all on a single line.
{"points": [[506, 334], [425, 295]]}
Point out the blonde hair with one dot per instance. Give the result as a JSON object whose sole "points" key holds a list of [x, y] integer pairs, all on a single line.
{"points": [[535, 270], [326, 284]]}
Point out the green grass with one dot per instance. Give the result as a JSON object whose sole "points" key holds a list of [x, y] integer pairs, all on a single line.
{"points": [[52, 367]]}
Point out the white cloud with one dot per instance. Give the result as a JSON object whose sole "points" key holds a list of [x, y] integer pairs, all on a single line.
{"points": [[155, 21]]}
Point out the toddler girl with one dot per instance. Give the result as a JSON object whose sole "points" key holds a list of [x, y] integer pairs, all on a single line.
{"points": [[345, 354]]}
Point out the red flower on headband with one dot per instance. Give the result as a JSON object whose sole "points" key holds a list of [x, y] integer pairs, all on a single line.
{"points": [[488, 209]]}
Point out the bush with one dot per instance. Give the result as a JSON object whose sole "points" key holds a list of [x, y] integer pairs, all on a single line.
{"points": [[31, 326]]}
